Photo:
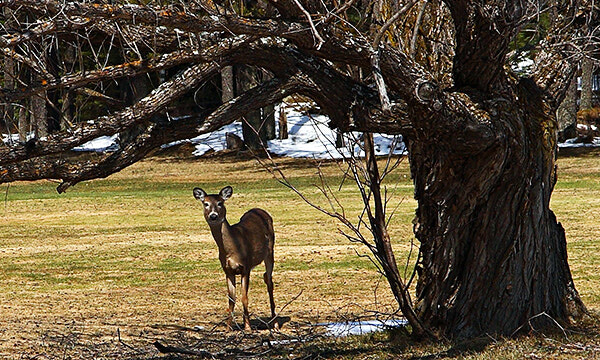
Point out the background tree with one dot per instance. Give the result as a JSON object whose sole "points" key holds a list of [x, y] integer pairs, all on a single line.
{"points": [[481, 139]]}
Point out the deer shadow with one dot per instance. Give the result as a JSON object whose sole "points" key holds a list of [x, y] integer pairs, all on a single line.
{"points": [[266, 323]]}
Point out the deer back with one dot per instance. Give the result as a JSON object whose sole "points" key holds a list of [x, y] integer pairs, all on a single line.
{"points": [[256, 231]]}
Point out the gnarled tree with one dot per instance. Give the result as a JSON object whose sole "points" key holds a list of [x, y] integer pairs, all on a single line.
{"points": [[481, 140]]}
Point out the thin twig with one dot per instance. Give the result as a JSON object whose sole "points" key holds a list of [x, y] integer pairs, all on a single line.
{"points": [[390, 22], [374, 57], [315, 33], [413, 40]]}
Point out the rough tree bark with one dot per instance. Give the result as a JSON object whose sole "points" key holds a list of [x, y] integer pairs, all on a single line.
{"points": [[482, 142], [9, 76], [253, 129], [258, 126], [566, 115], [587, 74], [493, 253]]}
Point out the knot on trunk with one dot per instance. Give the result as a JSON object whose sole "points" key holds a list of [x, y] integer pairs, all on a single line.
{"points": [[426, 92]]}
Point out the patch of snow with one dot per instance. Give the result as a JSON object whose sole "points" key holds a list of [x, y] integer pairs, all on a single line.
{"points": [[523, 65], [100, 144], [14, 138], [361, 327], [9, 139], [572, 143], [587, 127], [281, 342], [309, 136], [582, 126], [216, 140]]}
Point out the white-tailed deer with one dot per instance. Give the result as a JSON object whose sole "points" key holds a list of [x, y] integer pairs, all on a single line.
{"points": [[242, 246]]}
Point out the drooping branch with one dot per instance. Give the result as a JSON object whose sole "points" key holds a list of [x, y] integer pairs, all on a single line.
{"points": [[74, 169], [111, 124], [145, 36], [404, 78], [16, 37], [337, 93]]}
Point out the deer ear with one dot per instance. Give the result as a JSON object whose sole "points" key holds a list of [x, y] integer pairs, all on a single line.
{"points": [[199, 194], [226, 192]]}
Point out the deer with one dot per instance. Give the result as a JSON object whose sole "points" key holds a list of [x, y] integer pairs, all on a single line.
{"points": [[242, 246]]}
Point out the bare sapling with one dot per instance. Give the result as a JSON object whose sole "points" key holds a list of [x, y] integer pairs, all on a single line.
{"points": [[242, 246]]}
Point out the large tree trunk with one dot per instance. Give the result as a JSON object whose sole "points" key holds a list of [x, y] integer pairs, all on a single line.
{"points": [[9, 76], [254, 130], [39, 114], [566, 114], [493, 254], [587, 73], [227, 84]]}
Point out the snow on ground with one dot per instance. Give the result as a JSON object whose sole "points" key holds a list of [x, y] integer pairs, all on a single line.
{"points": [[360, 327], [14, 138], [571, 143], [308, 137]]}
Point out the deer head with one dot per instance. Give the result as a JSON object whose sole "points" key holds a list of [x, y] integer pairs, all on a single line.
{"points": [[214, 205]]}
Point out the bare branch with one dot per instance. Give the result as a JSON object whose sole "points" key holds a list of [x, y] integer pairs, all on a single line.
{"points": [[413, 40], [132, 68], [107, 125]]}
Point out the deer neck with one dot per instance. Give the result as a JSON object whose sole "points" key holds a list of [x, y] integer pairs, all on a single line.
{"points": [[222, 234]]}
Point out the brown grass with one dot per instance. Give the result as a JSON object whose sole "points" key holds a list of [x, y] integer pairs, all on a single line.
{"points": [[132, 255]]}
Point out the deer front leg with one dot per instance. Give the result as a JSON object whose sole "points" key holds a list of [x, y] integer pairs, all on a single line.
{"points": [[245, 285], [268, 277], [231, 296]]}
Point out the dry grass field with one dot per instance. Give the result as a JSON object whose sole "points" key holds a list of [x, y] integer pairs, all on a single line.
{"points": [[113, 265]]}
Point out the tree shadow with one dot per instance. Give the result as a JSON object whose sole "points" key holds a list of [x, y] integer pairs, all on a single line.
{"points": [[584, 151], [459, 349]]}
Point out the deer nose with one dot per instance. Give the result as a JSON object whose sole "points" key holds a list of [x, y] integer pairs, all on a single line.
{"points": [[213, 217]]}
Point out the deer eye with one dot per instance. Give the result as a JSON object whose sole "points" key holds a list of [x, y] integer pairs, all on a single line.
{"points": [[220, 203], [206, 204]]}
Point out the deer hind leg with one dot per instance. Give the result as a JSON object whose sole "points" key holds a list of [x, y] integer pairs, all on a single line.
{"points": [[245, 286], [268, 276], [231, 296]]}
